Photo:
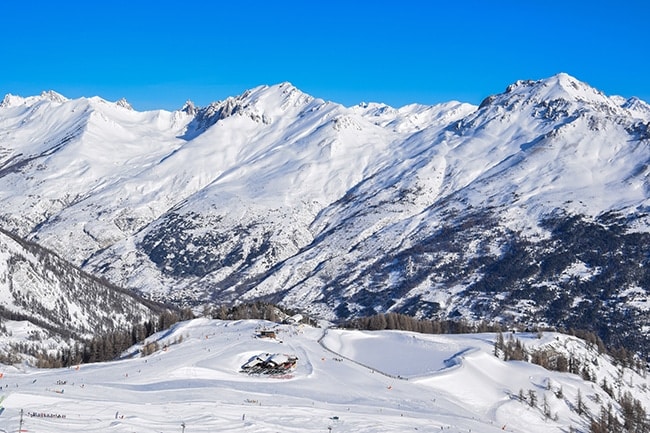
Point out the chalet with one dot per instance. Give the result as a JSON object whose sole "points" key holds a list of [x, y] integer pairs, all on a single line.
{"points": [[270, 363]]}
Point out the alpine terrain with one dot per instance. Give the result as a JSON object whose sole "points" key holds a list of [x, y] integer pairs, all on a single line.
{"points": [[55, 313], [531, 208]]}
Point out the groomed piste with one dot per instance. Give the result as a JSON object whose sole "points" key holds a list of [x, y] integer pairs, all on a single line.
{"points": [[343, 380]]}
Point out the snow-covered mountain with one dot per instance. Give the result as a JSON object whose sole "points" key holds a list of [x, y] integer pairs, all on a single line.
{"points": [[46, 303], [531, 207], [343, 381]]}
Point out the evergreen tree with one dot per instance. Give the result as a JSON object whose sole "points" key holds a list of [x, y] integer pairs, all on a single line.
{"points": [[546, 408], [580, 404]]}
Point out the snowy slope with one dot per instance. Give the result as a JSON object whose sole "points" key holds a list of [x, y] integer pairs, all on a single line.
{"points": [[47, 304], [346, 384], [451, 210]]}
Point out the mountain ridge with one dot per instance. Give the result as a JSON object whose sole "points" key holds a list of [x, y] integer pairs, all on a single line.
{"points": [[277, 195]]}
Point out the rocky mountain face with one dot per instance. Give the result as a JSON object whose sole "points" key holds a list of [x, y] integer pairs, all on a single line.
{"points": [[530, 208]]}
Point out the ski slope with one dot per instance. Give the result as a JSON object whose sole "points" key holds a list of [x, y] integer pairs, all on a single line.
{"points": [[346, 381]]}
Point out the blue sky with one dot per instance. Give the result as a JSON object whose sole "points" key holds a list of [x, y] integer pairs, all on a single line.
{"points": [[158, 54]]}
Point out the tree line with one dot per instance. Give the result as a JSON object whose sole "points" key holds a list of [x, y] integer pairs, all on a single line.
{"points": [[108, 346], [402, 322]]}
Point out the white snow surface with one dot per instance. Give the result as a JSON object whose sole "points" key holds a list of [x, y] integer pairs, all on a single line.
{"points": [[355, 381]]}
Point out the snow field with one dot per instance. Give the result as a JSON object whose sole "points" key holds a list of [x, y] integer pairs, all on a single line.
{"points": [[354, 382]]}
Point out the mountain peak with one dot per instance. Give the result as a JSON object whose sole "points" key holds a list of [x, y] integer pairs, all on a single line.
{"points": [[260, 104], [124, 104], [560, 90], [282, 95], [53, 96], [559, 86], [637, 106], [11, 100], [189, 108]]}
